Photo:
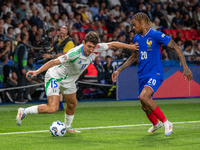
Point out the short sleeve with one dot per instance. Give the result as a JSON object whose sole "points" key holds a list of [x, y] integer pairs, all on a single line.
{"points": [[101, 47], [63, 58], [162, 38]]}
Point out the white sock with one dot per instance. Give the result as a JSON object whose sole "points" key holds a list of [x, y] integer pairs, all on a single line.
{"points": [[31, 110], [68, 120]]}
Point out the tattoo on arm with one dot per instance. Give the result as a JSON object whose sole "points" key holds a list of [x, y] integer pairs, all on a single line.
{"points": [[129, 61], [179, 52]]}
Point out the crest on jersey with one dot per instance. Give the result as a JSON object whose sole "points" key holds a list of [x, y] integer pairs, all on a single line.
{"points": [[149, 43]]}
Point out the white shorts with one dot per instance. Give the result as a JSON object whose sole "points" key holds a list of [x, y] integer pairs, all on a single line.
{"points": [[53, 86]]}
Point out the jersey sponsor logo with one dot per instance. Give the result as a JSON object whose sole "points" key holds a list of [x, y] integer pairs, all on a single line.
{"points": [[163, 35], [80, 62], [64, 58], [149, 43]]}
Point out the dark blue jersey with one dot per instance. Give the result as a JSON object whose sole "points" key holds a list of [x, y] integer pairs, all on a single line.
{"points": [[150, 53]]}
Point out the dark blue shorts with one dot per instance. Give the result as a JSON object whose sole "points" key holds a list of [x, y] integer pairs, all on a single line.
{"points": [[153, 82]]}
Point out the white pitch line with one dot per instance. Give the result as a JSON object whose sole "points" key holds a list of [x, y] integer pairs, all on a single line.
{"points": [[89, 128]]}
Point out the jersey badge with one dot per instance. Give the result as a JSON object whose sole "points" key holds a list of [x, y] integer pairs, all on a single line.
{"points": [[149, 43], [64, 58]]}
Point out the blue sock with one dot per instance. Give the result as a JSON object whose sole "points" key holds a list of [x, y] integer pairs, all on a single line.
{"points": [[61, 105]]}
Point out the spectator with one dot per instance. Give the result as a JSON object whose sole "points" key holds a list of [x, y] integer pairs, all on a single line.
{"points": [[164, 54], [45, 12], [188, 51], [156, 23], [75, 39], [3, 11], [163, 22], [10, 33], [26, 23], [29, 12], [46, 22], [32, 33], [22, 11], [100, 69], [55, 21], [197, 52], [86, 19], [157, 12], [35, 19], [110, 24], [176, 21], [190, 12], [100, 16], [197, 15], [108, 70], [188, 23], [73, 6], [149, 12], [91, 26], [38, 5], [61, 7], [10, 77], [94, 9], [71, 20], [99, 29], [17, 19], [63, 20], [2, 31], [7, 24], [24, 29], [78, 24], [115, 12]]}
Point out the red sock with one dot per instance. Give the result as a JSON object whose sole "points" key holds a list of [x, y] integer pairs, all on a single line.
{"points": [[153, 119], [159, 114]]}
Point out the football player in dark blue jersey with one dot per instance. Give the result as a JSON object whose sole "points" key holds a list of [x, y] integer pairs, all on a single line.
{"points": [[150, 71]]}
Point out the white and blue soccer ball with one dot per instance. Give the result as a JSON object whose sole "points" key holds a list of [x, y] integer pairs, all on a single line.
{"points": [[58, 128]]}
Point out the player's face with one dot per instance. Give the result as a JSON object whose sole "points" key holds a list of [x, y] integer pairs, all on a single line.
{"points": [[136, 26], [88, 48]]}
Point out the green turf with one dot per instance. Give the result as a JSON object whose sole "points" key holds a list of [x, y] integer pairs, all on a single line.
{"points": [[185, 136]]}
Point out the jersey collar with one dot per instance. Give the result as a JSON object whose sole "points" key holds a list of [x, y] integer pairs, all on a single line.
{"points": [[146, 33], [82, 51]]}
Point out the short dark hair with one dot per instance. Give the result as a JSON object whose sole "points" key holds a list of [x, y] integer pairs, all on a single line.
{"points": [[92, 37], [22, 36], [108, 57]]}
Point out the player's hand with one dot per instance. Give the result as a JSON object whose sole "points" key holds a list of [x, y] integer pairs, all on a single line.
{"points": [[135, 46], [114, 75], [34, 73], [187, 73], [45, 56]]}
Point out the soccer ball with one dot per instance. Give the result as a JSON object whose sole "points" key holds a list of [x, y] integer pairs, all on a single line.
{"points": [[58, 128]]}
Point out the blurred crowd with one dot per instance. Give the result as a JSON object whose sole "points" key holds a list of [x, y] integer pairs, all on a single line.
{"points": [[110, 19]]}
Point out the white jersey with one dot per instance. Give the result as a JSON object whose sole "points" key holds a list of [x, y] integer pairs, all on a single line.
{"points": [[74, 63]]}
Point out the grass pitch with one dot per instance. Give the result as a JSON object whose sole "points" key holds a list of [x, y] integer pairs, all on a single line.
{"points": [[104, 127]]}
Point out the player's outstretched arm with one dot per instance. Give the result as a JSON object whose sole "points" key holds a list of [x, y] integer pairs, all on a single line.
{"points": [[45, 67], [116, 45], [129, 62], [186, 71]]}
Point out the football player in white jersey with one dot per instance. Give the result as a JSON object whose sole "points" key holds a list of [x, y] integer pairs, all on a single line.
{"points": [[62, 74]]}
